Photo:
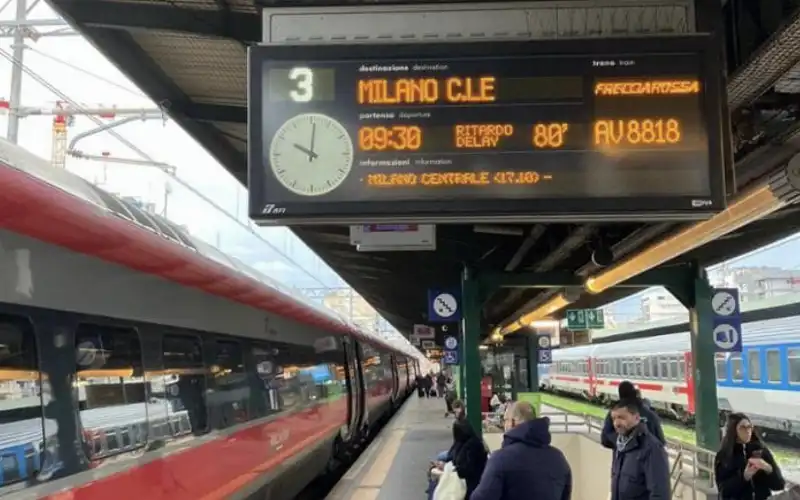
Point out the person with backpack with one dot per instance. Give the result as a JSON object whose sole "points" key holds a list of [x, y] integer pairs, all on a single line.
{"points": [[627, 392]]}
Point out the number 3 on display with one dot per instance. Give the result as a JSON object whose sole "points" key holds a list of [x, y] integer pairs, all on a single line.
{"points": [[304, 81]]}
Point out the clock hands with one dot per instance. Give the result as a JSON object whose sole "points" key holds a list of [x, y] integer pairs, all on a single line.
{"points": [[311, 155], [309, 151], [313, 133]]}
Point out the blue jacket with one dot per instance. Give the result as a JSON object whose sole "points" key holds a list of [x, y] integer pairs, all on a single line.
{"points": [[609, 436], [526, 467], [640, 470]]}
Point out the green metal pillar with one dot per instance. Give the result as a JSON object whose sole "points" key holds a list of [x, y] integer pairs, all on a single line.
{"points": [[471, 322], [701, 320], [533, 363]]}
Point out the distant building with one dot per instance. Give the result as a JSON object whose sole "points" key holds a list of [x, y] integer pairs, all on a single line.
{"points": [[658, 304]]}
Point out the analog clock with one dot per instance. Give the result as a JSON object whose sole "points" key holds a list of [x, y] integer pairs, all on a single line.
{"points": [[311, 154]]}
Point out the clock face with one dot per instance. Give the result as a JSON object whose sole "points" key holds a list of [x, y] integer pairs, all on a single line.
{"points": [[311, 154]]}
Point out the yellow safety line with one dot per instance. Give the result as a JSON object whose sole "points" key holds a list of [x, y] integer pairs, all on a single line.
{"points": [[377, 474]]}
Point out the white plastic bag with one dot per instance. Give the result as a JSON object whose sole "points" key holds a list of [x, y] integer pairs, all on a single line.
{"points": [[450, 486], [790, 494]]}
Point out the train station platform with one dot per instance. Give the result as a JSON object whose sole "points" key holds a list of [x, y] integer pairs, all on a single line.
{"points": [[394, 466]]}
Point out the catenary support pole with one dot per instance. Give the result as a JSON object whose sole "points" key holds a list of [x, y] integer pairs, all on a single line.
{"points": [[15, 98]]}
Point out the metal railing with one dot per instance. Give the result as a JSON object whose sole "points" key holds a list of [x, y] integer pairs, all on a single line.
{"points": [[691, 464]]}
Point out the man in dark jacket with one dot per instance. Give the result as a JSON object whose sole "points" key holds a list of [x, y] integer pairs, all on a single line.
{"points": [[627, 392], [640, 468], [526, 466]]}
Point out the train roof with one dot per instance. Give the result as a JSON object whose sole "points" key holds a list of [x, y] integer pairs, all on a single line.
{"points": [[84, 218], [769, 331]]}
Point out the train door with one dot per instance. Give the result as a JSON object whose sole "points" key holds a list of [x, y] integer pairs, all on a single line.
{"points": [[688, 373], [355, 402], [364, 385], [395, 380], [591, 368]]}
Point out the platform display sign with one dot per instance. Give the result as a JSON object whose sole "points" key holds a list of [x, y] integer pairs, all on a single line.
{"points": [[726, 309], [523, 131]]}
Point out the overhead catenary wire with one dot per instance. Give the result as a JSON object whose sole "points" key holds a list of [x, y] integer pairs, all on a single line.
{"points": [[138, 151], [86, 72]]}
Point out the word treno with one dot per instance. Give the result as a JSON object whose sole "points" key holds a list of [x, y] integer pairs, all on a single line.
{"points": [[453, 90]]}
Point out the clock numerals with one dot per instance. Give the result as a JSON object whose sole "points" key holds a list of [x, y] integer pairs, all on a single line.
{"points": [[311, 154]]}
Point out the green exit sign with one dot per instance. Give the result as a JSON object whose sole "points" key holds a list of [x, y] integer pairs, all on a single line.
{"points": [[585, 319]]}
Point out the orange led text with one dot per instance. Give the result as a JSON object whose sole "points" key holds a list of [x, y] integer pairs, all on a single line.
{"points": [[647, 87], [481, 136], [396, 138], [639, 132], [445, 179], [454, 90], [549, 135]]}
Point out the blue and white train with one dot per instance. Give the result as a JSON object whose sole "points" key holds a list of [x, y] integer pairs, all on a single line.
{"points": [[762, 381]]}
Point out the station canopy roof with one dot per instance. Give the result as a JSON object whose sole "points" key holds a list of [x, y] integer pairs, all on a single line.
{"points": [[189, 56]]}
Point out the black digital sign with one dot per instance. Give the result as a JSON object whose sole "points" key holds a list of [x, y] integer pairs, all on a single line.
{"points": [[609, 129]]}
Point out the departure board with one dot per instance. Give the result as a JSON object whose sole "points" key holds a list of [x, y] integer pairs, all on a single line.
{"points": [[512, 131]]}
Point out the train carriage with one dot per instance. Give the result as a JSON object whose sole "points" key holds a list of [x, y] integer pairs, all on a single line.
{"points": [[139, 362], [762, 381]]}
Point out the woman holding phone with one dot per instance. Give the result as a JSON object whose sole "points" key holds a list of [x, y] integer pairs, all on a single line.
{"points": [[744, 467]]}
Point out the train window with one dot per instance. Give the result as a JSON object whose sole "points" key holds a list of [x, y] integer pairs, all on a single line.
{"points": [[793, 356], [721, 366], [736, 367], [184, 388], [663, 367], [21, 406], [111, 390], [639, 368], [753, 366], [773, 365], [266, 399], [681, 368], [673, 368], [648, 372], [228, 400]]}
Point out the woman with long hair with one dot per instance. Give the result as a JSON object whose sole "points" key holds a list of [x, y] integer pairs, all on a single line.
{"points": [[744, 467]]}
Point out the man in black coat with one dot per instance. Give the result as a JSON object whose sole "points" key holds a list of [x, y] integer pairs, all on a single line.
{"points": [[640, 468], [527, 467], [627, 392]]}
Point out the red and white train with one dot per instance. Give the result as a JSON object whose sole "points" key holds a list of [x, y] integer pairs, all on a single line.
{"points": [[138, 362], [595, 372]]}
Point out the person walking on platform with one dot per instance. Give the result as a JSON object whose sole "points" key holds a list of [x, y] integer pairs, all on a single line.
{"points": [[744, 468], [428, 384], [640, 467], [527, 466], [449, 396], [441, 381], [627, 392]]}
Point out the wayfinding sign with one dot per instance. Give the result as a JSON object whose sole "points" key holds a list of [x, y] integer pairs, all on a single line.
{"points": [[726, 309], [451, 132], [545, 352], [585, 319], [443, 306]]}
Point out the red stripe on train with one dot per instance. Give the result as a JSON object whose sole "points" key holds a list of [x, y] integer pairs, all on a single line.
{"points": [[215, 470]]}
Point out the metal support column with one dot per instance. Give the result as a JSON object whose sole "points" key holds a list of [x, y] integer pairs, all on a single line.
{"points": [[692, 289], [472, 304], [701, 321], [533, 363]]}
